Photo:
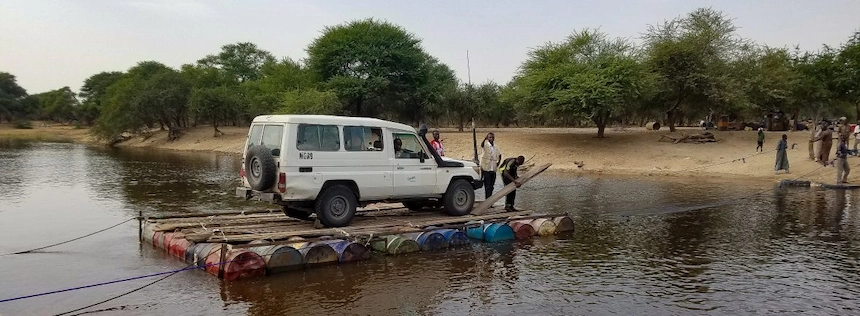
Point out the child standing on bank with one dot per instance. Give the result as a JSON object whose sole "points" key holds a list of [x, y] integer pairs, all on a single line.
{"points": [[760, 147]]}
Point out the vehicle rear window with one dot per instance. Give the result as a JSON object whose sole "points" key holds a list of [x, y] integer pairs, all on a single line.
{"points": [[272, 135], [254, 137], [318, 137], [362, 138]]}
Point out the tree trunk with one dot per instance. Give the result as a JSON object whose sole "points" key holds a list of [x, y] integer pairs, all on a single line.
{"points": [[358, 107], [670, 120], [601, 119], [215, 127], [461, 124]]}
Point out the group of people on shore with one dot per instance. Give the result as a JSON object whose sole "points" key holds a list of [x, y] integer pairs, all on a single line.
{"points": [[821, 144], [491, 166]]}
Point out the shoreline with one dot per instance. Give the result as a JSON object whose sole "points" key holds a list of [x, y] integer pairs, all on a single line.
{"points": [[625, 152]]}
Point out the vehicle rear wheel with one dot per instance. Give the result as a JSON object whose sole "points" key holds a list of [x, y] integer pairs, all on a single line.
{"points": [[460, 198], [260, 169], [335, 207]]}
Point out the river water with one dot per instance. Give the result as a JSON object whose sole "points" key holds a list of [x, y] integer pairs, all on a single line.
{"points": [[641, 247]]}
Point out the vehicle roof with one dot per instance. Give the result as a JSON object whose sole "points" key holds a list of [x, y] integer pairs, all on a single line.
{"points": [[331, 119]]}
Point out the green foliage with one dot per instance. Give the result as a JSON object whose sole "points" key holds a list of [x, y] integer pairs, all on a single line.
{"points": [[215, 104], [58, 105], [23, 124], [691, 56], [12, 97], [367, 62], [241, 62], [149, 93], [309, 101], [277, 78], [94, 94], [587, 76]]}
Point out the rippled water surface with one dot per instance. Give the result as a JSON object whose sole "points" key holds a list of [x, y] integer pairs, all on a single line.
{"points": [[641, 247]]}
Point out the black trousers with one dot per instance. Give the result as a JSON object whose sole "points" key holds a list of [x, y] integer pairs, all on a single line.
{"points": [[509, 199], [489, 183]]}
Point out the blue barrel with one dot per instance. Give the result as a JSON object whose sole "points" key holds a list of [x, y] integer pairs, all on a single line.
{"points": [[348, 251], [428, 240], [454, 237], [189, 253], [491, 232]]}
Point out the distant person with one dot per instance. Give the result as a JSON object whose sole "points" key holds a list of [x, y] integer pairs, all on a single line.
{"points": [[491, 157], [825, 136], [856, 136], [760, 147], [509, 174], [437, 144], [398, 149], [844, 129], [815, 141], [782, 155], [842, 168]]}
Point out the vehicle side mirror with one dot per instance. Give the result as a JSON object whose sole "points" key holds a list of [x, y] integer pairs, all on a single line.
{"points": [[276, 152], [421, 156]]}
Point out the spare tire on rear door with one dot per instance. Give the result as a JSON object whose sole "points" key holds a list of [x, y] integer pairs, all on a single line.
{"points": [[260, 169]]}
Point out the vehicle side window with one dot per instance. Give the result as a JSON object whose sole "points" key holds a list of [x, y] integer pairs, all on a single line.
{"points": [[318, 137], [362, 138], [406, 146], [272, 135], [254, 137]]}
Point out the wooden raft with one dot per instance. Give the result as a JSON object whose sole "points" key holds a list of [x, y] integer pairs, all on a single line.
{"points": [[277, 226]]}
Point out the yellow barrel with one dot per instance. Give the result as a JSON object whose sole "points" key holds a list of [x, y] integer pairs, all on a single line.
{"points": [[543, 226]]}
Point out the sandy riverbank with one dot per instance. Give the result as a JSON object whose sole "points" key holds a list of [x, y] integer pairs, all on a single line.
{"points": [[629, 151]]}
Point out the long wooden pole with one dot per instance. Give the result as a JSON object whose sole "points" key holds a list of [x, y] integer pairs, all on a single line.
{"points": [[486, 204]]}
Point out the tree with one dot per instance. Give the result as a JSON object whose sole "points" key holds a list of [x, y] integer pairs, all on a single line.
{"points": [[149, 93], [58, 105], [309, 101], [434, 81], [266, 94], [587, 76], [849, 61], [691, 56], [94, 94], [462, 103], [241, 61], [366, 61], [11, 97], [769, 78], [214, 104]]}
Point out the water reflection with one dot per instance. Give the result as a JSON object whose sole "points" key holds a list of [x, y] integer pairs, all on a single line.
{"points": [[641, 247]]}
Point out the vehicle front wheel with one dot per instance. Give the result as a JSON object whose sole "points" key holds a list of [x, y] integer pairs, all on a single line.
{"points": [[335, 207], [460, 198]]}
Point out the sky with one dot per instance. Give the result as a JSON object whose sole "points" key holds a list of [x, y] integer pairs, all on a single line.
{"points": [[51, 44]]}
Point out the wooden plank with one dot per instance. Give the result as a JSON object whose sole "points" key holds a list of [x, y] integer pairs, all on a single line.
{"points": [[485, 205], [379, 228]]}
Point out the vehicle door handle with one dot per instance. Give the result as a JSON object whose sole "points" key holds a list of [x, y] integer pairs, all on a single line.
{"points": [[426, 168], [399, 167]]}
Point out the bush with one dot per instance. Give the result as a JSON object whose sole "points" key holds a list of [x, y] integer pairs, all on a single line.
{"points": [[23, 124]]}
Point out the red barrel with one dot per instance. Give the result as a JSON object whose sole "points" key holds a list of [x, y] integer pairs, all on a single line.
{"points": [[157, 238], [238, 264], [165, 242], [178, 246], [522, 230]]}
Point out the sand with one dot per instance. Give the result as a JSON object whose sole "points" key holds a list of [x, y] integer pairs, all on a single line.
{"points": [[633, 152]]}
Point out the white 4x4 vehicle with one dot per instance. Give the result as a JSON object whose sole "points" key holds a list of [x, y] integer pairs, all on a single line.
{"points": [[329, 165]]}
